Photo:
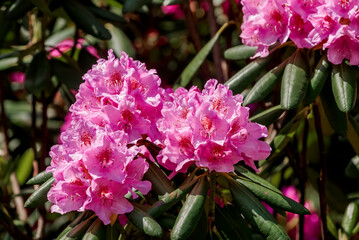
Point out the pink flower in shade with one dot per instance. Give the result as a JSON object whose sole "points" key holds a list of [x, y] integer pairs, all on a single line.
{"points": [[67, 44], [174, 10], [344, 44], [312, 223], [205, 128], [17, 77], [226, 6]]}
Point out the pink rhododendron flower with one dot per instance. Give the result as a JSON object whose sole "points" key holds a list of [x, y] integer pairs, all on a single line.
{"points": [[174, 10], [18, 77], [210, 129], [93, 166], [67, 44]]}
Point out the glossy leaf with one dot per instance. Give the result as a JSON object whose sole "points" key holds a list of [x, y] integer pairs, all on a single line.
{"points": [[37, 76], [240, 52], [24, 169], [352, 169], [240, 81], [145, 222], [230, 224], [160, 183], [272, 198], [265, 84], [172, 2], [39, 197], [40, 178], [267, 117], [78, 231], [344, 86], [85, 19], [197, 61], [66, 74], [105, 14], [350, 218], [19, 8], [97, 231], [331, 227], [337, 119], [9, 62], [255, 213], [239, 170], [131, 6], [170, 199], [318, 79], [191, 211], [294, 81], [120, 42]]}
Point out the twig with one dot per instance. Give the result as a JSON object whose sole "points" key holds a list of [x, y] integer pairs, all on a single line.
{"points": [[217, 56], [323, 170]]}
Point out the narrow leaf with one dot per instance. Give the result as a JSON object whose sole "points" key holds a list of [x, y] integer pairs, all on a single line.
{"points": [[82, 217], [272, 198], [337, 119], [241, 52], [145, 222], [37, 76], [97, 231], [160, 183], [230, 224], [344, 86], [294, 81], [240, 81], [24, 168], [267, 117], [352, 169], [106, 14], [78, 231], [255, 178], [265, 84], [39, 197], [197, 61], [318, 79], [171, 199], [131, 6], [191, 211], [120, 42], [255, 213], [40, 178], [85, 19], [331, 227], [350, 218]]}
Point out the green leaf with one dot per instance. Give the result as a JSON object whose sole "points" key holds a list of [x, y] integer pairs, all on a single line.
{"points": [[350, 218], [40, 178], [352, 169], [171, 199], [82, 217], [85, 19], [39, 197], [267, 117], [172, 2], [106, 14], [37, 77], [145, 222], [24, 169], [167, 220], [265, 84], [19, 8], [9, 62], [255, 213], [86, 60], [344, 86], [131, 6], [197, 61], [240, 81], [43, 6], [160, 183], [241, 52], [318, 79], [272, 198], [97, 231], [201, 229], [66, 74], [191, 211], [285, 135], [78, 231], [331, 227], [230, 224], [294, 81], [337, 119], [120, 42]]}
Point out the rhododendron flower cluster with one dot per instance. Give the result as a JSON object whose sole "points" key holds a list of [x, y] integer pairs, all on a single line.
{"points": [[332, 25], [209, 128], [99, 159]]}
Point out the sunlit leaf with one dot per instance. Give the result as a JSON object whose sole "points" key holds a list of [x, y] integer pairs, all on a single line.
{"points": [[350, 218], [240, 52], [39, 197], [267, 117], [24, 169]]}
